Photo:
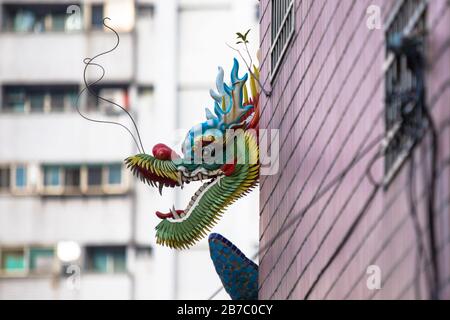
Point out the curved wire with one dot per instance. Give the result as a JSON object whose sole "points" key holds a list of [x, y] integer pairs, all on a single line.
{"points": [[370, 177], [89, 62]]}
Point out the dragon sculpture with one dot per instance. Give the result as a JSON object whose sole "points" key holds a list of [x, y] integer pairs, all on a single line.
{"points": [[222, 152]]}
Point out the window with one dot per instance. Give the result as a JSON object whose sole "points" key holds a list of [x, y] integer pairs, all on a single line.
{"points": [[94, 176], [116, 93], [57, 101], [72, 179], [5, 176], [97, 16], [41, 260], [35, 17], [38, 99], [21, 177], [52, 176], [146, 10], [25, 260], [59, 21], [282, 29], [114, 174], [14, 100], [90, 179], [13, 260], [106, 259], [401, 83]]}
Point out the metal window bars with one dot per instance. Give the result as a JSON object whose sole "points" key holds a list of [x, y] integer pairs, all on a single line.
{"points": [[282, 27], [408, 18]]}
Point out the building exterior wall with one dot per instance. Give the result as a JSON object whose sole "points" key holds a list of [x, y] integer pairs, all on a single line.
{"points": [[327, 100], [168, 57]]}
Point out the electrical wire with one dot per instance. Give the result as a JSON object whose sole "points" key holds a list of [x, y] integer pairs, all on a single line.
{"points": [[445, 164], [384, 211], [416, 227], [431, 201], [320, 194], [322, 124], [433, 101]]}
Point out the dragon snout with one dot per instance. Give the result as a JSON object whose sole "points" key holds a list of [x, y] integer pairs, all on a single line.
{"points": [[162, 152]]}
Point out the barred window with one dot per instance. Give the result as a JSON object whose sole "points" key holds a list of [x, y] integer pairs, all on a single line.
{"points": [[403, 113], [39, 98], [79, 179], [283, 27]]}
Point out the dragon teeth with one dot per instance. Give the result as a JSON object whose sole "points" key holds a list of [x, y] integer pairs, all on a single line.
{"points": [[174, 212]]}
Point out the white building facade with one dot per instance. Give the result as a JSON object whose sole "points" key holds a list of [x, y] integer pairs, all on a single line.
{"points": [[74, 224]]}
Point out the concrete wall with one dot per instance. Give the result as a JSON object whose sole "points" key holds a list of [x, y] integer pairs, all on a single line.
{"points": [[326, 101]]}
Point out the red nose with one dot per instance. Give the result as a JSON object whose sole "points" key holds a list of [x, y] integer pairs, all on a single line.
{"points": [[163, 152]]}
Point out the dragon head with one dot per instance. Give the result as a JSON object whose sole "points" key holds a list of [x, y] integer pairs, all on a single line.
{"points": [[221, 152]]}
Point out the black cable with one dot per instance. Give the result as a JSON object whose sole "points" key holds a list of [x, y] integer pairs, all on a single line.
{"points": [[322, 95], [279, 257], [339, 152], [371, 229], [411, 49], [440, 249], [411, 247], [326, 189], [376, 186], [388, 240], [369, 170], [297, 216], [375, 142], [434, 100], [445, 164], [434, 24], [431, 201], [333, 132], [342, 243], [315, 108], [328, 231], [416, 227]]}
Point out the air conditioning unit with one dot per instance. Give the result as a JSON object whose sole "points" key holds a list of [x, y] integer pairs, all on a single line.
{"points": [[118, 96]]}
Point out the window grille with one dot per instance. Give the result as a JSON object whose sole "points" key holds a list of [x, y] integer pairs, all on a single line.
{"points": [[410, 18], [39, 98], [283, 27], [106, 259]]}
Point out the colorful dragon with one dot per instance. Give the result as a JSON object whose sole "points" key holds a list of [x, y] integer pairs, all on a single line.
{"points": [[222, 152]]}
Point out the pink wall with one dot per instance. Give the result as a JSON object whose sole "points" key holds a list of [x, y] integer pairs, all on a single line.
{"points": [[325, 101]]}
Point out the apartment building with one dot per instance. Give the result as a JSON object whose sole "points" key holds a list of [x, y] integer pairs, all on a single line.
{"points": [[74, 224], [359, 209]]}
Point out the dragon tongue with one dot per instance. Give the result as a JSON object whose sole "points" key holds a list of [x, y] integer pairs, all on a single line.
{"points": [[172, 214]]}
